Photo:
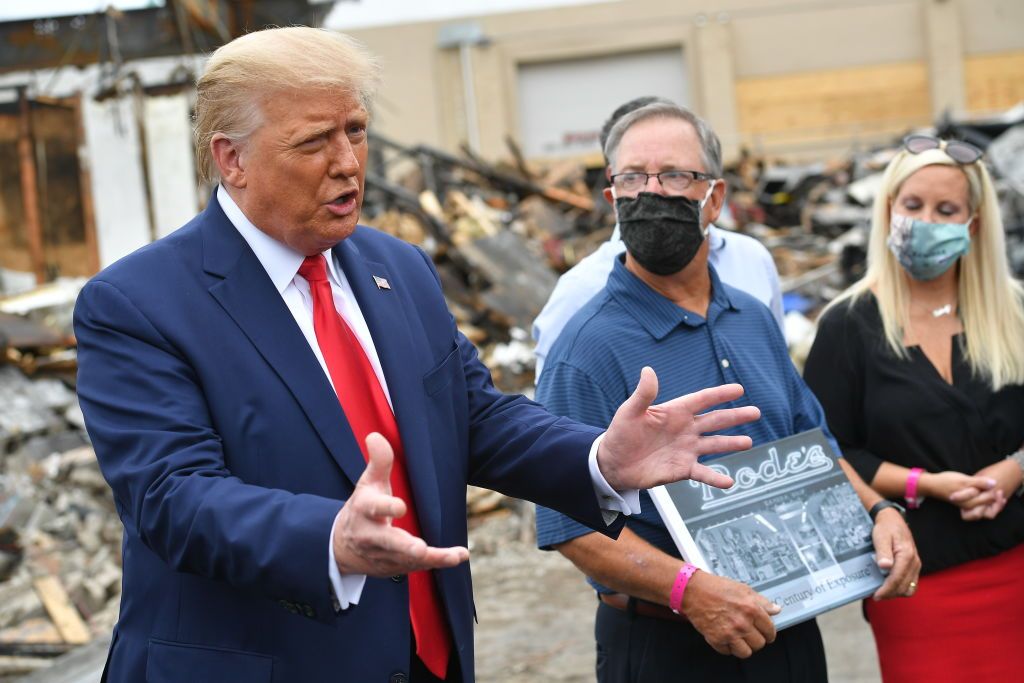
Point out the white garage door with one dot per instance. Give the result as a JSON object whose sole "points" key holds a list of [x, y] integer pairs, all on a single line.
{"points": [[563, 104]]}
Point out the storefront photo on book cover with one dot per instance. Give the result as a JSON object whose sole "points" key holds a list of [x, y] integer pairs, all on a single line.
{"points": [[791, 527]]}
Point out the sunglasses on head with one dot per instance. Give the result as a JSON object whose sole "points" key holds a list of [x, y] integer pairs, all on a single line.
{"points": [[960, 152]]}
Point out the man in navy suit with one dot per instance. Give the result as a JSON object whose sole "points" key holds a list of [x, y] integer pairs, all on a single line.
{"points": [[288, 416]]}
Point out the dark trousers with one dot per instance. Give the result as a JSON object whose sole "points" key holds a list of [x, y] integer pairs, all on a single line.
{"points": [[637, 649]]}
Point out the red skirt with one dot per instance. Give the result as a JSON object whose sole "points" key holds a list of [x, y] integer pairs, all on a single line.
{"points": [[965, 623]]}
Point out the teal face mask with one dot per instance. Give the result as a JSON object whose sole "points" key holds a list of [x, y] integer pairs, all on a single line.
{"points": [[927, 250]]}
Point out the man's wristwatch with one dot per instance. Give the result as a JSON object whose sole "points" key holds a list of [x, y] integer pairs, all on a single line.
{"points": [[882, 504]]}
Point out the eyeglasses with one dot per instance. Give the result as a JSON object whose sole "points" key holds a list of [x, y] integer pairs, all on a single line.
{"points": [[670, 181], [960, 152]]}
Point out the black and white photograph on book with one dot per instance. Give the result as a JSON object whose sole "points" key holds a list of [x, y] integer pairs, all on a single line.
{"points": [[791, 527]]}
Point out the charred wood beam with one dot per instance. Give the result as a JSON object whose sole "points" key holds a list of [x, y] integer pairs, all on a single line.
{"points": [[511, 183], [396, 196]]}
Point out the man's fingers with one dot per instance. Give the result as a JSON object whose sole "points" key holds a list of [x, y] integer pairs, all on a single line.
{"points": [[711, 445], [765, 627], [718, 420], [883, 558], [740, 649], [396, 551], [701, 401], [380, 457], [888, 589], [706, 475], [755, 641], [385, 507], [643, 396], [905, 568], [442, 558]]}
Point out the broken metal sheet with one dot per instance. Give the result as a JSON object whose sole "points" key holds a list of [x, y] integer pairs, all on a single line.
{"points": [[23, 333], [61, 293]]}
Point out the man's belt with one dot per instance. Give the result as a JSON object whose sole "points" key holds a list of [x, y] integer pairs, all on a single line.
{"points": [[626, 603]]}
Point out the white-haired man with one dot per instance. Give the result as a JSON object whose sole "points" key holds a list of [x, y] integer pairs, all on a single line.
{"points": [[665, 304], [740, 260], [288, 417]]}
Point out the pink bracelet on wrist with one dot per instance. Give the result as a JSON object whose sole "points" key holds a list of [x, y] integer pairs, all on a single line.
{"points": [[675, 600], [910, 495]]}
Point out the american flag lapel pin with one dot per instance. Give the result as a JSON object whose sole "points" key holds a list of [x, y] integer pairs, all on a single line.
{"points": [[381, 282]]}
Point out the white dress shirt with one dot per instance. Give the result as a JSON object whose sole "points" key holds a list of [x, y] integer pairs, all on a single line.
{"points": [[282, 266]]}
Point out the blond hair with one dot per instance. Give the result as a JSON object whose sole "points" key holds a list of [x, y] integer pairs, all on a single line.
{"points": [[268, 63], [991, 301]]}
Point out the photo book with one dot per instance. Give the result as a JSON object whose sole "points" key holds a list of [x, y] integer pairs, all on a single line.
{"points": [[791, 527]]}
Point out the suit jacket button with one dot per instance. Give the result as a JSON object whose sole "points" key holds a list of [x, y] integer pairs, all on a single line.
{"points": [[398, 678], [398, 578]]}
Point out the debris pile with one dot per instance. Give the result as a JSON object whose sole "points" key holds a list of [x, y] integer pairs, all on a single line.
{"points": [[499, 236], [60, 537]]}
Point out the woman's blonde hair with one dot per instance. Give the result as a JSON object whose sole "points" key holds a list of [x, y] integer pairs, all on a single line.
{"points": [[991, 301], [271, 63]]}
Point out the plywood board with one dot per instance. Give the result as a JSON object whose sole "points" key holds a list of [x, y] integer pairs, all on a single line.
{"points": [[994, 82], [63, 613], [834, 103]]}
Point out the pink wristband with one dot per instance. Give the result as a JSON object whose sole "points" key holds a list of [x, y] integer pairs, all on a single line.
{"points": [[675, 600], [913, 501]]}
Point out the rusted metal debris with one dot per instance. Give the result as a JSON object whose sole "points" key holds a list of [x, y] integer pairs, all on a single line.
{"points": [[499, 234]]}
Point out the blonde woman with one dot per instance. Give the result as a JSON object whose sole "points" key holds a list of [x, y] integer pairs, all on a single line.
{"points": [[920, 367]]}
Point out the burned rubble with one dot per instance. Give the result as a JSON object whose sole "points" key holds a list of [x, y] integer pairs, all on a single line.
{"points": [[60, 537]]}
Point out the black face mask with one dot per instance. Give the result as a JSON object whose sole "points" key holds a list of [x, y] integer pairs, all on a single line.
{"points": [[661, 233]]}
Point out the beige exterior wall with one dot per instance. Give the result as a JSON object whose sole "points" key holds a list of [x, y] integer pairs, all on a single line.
{"points": [[798, 78]]}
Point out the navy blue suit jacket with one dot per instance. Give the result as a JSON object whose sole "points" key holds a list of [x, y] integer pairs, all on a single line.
{"points": [[229, 456]]}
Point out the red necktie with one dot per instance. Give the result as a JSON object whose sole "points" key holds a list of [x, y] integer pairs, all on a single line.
{"points": [[367, 410]]}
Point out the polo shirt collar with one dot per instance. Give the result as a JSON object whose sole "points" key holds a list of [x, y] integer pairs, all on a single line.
{"points": [[657, 314]]}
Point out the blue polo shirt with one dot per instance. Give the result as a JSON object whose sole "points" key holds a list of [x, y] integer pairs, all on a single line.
{"points": [[595, 364]]}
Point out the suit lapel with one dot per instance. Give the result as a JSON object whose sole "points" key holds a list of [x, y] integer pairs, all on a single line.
{"points": [[393, 338], [250, 299]]}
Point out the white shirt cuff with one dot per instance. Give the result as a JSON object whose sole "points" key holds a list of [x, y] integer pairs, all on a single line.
{"points": [[612, 502], [348, 588]]}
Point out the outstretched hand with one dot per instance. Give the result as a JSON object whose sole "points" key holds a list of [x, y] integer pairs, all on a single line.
{"points": [[648, 445], [365, 542]]}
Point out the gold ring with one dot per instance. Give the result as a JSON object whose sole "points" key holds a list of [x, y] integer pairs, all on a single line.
{"points": [[913, 585]]}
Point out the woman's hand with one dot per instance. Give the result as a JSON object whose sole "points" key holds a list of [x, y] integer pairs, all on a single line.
{"points": [[976, 504], [957, 488]]}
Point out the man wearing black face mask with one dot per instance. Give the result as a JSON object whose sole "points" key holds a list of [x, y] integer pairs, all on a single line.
{"points": [[665, 307]]}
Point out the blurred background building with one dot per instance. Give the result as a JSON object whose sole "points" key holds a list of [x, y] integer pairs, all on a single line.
{"points": [[794, 77]]}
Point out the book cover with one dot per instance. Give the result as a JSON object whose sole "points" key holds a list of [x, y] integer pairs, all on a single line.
{"points": [[791, 527]]}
